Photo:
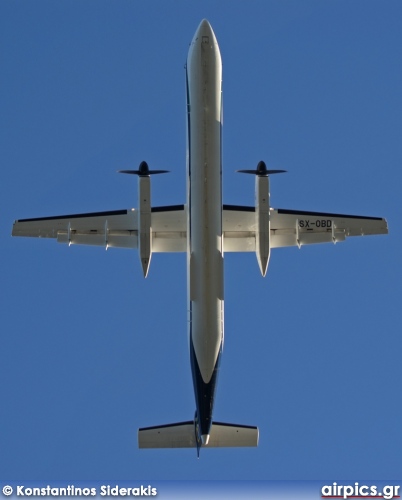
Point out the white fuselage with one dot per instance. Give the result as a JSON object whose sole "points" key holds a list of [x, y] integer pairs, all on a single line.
{"points": [[204, 199]]}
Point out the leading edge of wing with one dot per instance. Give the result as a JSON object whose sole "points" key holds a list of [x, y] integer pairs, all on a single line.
{"points": [[240, 208], [168, 208], [325, 214], [75, 216]]}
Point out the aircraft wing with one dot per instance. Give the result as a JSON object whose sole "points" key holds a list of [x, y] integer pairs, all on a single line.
{"points": [[117, 228], [294, 227]]}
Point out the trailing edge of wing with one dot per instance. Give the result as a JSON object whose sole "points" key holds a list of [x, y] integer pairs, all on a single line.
{"points": [[182, 435]]}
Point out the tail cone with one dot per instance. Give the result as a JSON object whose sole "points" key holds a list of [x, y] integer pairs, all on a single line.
{"points": [[205, 439]]}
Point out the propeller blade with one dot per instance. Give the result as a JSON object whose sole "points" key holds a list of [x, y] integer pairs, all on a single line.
{"points": [[261, 170], [143, 171]]}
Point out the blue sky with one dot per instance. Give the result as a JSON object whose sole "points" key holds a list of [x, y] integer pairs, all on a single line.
{"points": [[90, 350]]}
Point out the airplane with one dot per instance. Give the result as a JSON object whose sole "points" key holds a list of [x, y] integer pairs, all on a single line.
{"points": [[205, 229]]}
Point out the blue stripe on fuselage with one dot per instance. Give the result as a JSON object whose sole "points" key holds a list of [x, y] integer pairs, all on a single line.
{"points": [[204, 392], [189, 157]]}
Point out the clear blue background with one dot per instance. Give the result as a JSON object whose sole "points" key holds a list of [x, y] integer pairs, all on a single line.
{"points": [[90, 351]]}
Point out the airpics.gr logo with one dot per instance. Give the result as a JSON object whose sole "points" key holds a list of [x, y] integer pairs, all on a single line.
{"points": [[336, 490]]}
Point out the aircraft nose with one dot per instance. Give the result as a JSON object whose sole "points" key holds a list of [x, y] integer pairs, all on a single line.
{"points": [[204, 29], [205, 37], [204, 25]]}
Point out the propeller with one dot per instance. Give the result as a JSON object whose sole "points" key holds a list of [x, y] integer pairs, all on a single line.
{"points": [[261, 170], [143, 171]]}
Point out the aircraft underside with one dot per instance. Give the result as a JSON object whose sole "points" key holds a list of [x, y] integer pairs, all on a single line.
{"points": [[205, 229]]}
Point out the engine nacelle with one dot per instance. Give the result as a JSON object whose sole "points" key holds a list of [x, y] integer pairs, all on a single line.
{"points": [[144, 222], [262, 213], [144, 212]]}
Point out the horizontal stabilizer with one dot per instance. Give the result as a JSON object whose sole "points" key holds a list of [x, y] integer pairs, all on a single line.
{"points": [[182, 435], [232, 435]]}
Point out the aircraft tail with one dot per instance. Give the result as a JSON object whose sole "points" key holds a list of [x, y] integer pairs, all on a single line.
{"points": [[183, 435]]}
